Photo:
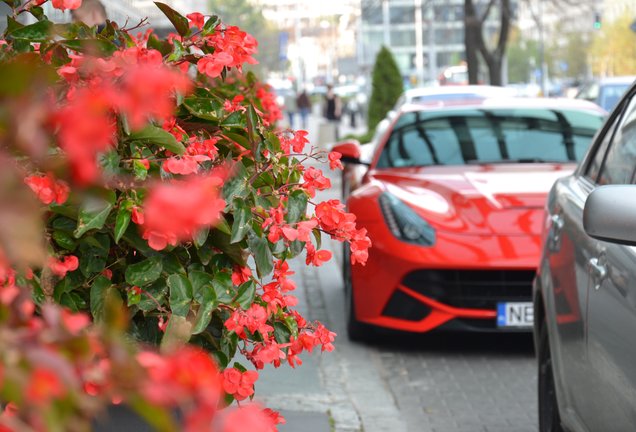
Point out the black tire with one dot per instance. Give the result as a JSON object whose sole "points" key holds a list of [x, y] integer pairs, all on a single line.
{"points": [[356, 330], [549, 418]]}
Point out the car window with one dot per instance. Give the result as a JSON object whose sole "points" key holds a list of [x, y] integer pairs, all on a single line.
{"points": [[489, 135], [594, 167], [611, 94], [620, 162]]}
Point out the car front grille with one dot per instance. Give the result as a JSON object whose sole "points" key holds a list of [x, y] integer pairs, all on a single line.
{"points": [[475, 289]]}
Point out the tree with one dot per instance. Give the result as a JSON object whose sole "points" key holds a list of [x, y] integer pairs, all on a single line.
{"points": [[522, 58], [474, 21], [614, 48], [387, 86]]}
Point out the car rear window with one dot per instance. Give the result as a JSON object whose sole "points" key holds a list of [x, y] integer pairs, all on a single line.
{"points": [[483, 135]]}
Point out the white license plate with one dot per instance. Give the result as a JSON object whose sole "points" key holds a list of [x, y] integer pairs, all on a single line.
{"points": [[518, 314]]}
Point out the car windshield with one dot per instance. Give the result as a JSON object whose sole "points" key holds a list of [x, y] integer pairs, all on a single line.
{"points": [[481, 135]]}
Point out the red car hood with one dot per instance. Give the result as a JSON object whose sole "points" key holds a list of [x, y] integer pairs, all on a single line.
{"points": [[502, 199]]}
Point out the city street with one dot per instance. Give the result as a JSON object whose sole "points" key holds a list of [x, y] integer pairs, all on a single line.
{"points": [[443, 383]]}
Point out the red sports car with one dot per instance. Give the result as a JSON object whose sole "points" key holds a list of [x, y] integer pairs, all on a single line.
{"points": [[453, 200]]}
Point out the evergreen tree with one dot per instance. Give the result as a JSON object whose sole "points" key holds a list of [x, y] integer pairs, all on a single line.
{"points": [[386, 86]]}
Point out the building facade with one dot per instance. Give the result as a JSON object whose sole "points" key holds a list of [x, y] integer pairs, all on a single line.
{"points": [[425, 36]]}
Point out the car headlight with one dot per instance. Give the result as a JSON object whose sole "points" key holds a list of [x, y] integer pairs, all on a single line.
{"points": [[404, 223]]}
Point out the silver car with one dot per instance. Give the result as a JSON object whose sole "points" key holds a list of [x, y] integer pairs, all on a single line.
{"points": [[585, 289]]}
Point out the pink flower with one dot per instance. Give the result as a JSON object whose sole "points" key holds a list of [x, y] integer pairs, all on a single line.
{"points": [[60, 267], [314, 179], [48, 189]]}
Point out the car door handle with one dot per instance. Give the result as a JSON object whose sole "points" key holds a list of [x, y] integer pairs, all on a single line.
{"points": [[599, 272], [556, 226]]}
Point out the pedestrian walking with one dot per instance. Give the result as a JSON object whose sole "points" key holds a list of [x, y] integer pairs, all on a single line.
{"points": [[332, 108], [92, 13], [290, 107], [304, 107]]}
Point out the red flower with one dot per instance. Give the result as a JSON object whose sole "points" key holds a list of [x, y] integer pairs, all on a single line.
{"points": [[66, 4], [212, 64], [44, 385], [86, 127], [250, 418], [62, 266], [240, 275], [317, 258], [314, 179], [196, 20], [235, 104], [184, 166], [334, 160], [239, 384], [48, 189], [175, 211]]}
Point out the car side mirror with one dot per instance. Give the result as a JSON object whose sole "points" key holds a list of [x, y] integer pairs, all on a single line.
{"points": [[350, 151], [610, 214]]}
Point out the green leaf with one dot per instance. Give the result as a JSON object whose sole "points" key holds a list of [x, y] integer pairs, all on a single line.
{"points": [[12, 24], [203, 317], [180, 294], [179, 22], [73, 301], [318, 237], [162, 46], [93, 214], [177, 52], [155, 135], [239, 139], [171, 264], [90, 46], [210, 24], [201, 285], [236, 186], [234, 120], [262, 255], [223, 288], [221, 241], [122, 222], [296, 206], [203, 107], [37, 12], [246, 294], [281, 332], [201, 236], [144, 272], [110, 162], [134, 297], [38, 32], [158, 291], [223, 226], [239, 366], [64, 240], [241, 225], [139, 170]]}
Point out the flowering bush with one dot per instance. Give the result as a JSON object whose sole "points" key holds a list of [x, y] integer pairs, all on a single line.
{"points": [[145, 189]]}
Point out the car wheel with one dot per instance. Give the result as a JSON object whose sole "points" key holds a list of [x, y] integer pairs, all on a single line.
{"points": [[549, 418], [356, 330]]}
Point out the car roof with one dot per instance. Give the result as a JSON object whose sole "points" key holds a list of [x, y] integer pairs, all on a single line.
{"points": [[484, 90], [618, 80], [509, 103]]}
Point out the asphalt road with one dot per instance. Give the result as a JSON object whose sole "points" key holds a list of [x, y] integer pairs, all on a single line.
{"points": [[444, 382]]}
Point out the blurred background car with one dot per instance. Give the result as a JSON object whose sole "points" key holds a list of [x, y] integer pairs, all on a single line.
{"points": [[606, 92], [585, 294], [453, 201]]}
